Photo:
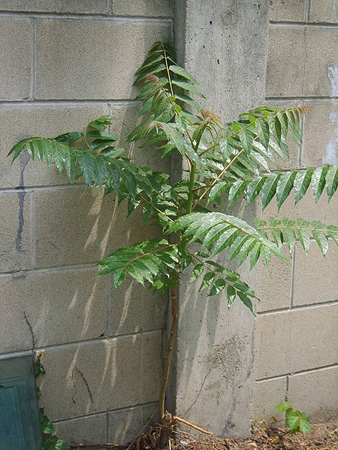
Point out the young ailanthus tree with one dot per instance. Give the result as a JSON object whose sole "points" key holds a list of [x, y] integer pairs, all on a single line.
{"points": [[233, 161]]}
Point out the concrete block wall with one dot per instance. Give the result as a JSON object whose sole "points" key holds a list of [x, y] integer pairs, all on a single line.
{"points": [[296, 328], [64, 63]]}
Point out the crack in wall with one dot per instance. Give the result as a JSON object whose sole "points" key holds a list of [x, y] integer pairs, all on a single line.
{"points": [[24, 159]]}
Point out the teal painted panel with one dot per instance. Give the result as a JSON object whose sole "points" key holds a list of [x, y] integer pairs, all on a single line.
{"points": [[19, 412], [11, 431]]}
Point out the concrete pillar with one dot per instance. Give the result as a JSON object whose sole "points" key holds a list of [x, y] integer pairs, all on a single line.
{"points": [[224, 44]]}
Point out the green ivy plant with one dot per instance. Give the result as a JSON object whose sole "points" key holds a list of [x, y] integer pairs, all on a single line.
{"points": [[224, 163], [295, 420], [50, 440]]}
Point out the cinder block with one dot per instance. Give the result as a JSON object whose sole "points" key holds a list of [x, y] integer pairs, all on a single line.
{"points": [[135, 308], [316, 393], [147, 8], [18, 122], [265, 397], [296, 340], [92, 378], [77, 226], [15, 58], [152, 367], [272, 284], [14, 231], [324, 211], [126, 424], [316, 278], [60, 306], [56, 6], [287, 10], [297, 64], [89, 430], [64, 46], [323, 11], [320, 144]]}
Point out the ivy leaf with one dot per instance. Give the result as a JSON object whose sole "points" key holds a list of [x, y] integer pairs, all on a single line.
{"points": [[304, 424]]}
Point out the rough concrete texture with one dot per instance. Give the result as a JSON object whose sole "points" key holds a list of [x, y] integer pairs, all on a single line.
{"points": [[266, 396], [291, 68], [229, 63], [125, 424], [214, 345], [15, 231], [58, 307], [80, 59], [315, 278], [214, 361], [320, 144], [272, 284], [135, 308], [296, 340], [57, 6], [89, 430], [287, 10], [15, 58], [324, 11], [78, 226], [316, 393], [96, 377], [147, 8]]}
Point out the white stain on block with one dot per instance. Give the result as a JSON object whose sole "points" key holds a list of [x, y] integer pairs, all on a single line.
{"points": [[333, 77], [331, 156]]}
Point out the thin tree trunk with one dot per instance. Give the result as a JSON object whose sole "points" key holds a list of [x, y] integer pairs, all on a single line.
{"points": [[167, 358]]}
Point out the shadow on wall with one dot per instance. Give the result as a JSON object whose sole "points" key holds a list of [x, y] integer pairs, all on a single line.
{"points": [[64, 301]]}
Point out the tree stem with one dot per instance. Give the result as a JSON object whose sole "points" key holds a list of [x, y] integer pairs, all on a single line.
{"points": [[167, 358], [191, 188]]}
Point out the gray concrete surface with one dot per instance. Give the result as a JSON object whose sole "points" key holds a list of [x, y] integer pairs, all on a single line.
{"points": [[225, 46]]}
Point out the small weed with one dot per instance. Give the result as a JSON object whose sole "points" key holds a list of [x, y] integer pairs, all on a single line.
{"points": [[296, 421]]}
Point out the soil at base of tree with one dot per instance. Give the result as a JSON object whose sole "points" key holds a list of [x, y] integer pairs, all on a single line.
{"points": [[323, 436]]}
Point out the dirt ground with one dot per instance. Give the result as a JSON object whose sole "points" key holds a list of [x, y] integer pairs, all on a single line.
{"points": [[322, 436]]}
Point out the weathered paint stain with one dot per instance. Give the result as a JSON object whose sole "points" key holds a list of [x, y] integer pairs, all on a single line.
{"points": [[333, 77], [24, 159], [335, 6], [331, 156]]}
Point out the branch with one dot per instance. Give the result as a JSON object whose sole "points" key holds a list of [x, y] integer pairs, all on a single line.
{"points": [[217, 179]]}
